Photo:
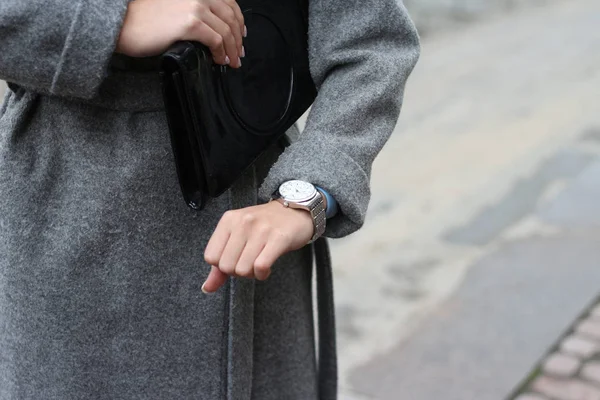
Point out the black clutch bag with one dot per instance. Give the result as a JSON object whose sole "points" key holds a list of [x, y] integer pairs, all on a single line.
{"points": [[222, 119]]}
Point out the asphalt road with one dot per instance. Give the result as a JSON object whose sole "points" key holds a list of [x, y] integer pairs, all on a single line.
{"points": [[483, 238]]}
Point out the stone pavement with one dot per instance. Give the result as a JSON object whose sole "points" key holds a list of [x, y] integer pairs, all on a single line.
{"points": [[571, 371]]}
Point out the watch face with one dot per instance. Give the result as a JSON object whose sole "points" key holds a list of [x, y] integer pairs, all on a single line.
{"points": [[297, 191]]}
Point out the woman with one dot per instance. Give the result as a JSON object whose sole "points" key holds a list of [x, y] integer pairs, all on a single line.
{"points": [[101, 263]]}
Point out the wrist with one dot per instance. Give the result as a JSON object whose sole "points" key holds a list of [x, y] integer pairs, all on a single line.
{"points": [[306, 197], [298, 218]]}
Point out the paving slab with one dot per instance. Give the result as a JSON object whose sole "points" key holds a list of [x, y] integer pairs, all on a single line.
{"points": [[495, 125], [479, 345], [511, 308]]}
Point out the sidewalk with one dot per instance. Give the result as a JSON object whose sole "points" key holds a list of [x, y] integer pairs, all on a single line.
{"points": [[571, 371], [483, 241]]}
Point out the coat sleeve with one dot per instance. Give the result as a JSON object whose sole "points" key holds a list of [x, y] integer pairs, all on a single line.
{"points": [[361, 54], [61, 47]]}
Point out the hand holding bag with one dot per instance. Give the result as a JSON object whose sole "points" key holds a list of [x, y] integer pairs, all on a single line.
{"points": [[222, 119]]}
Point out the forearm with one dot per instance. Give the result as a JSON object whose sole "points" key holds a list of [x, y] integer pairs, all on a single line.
{"points": [[361, 56], [60, 47]]}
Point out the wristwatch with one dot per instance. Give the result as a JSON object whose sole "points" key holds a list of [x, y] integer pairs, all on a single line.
{"points": [[304, 196]]}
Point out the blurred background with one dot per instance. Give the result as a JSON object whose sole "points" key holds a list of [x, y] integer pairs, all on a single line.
{"points": [[477, 273]]}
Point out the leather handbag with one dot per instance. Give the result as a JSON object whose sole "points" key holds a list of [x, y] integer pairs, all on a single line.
{"points": [[222, 119]]}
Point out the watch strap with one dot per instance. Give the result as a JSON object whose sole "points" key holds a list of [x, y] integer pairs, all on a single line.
{"points": [[318, 213], [332, 206]]}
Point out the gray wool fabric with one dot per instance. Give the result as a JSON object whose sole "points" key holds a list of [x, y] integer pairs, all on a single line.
{"points": [[100, 259]]}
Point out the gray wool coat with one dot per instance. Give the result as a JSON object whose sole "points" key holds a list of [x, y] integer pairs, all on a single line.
{"points": [[100, 259]]}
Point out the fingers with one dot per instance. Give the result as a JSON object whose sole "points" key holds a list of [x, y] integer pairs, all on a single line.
{"points": [[245, 264], [201, 32], [275, 248], [218, 241], [231, 254], [214, 281], [254, 260], [228, 40], [247, 242], [238, 15], [216, 24], [227, 13]]}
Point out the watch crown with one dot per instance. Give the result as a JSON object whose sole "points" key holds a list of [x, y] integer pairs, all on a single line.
{"points": [[286, 204]]}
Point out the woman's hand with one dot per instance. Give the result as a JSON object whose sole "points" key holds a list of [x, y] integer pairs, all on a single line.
{"points": [[247, 242], [151, 26]]}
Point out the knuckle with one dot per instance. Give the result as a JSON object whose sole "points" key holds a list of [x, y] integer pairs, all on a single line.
{"points": [[211, 259], [248, 219], [198, 7], [218, 42], [193, 23], [196, 18], [229, 215], [244, 272], [227, 269], [227, 32], [230, 16]]}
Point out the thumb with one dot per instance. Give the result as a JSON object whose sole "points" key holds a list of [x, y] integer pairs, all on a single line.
{"points": [[215, 280]]}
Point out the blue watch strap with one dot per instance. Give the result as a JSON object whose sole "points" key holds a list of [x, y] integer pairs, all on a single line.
{"points": [[332, 205]]}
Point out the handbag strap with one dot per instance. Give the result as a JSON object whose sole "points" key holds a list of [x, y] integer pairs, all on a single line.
{"points": [[327, 358]]}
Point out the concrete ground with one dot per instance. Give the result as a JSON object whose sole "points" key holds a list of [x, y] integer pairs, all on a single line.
{"points": [[483, 240]]}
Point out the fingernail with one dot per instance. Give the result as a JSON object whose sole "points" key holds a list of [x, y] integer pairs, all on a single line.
{"points": [[227, 60], [240, 61], [245, 31], [243, 52], [204, 290]]}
